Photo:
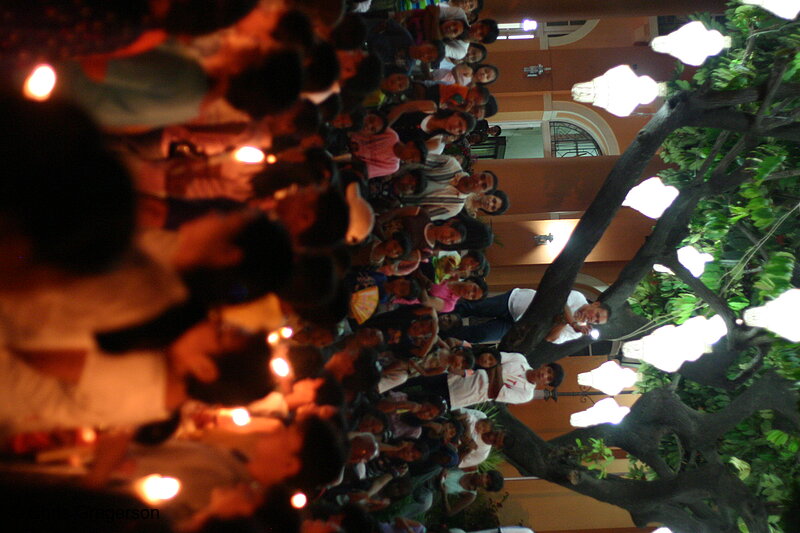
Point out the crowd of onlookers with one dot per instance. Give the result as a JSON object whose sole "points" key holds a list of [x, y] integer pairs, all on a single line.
{"points": [[240, 242]]}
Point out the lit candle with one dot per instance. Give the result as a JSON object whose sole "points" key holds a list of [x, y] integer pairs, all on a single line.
{"points": [[40, 83], [299, 500], [249, 154], [157, 488]]}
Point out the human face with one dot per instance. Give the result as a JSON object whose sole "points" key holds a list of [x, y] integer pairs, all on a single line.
{"points": [[348, 62], [428, 411], [475, 97], [392, 249], [467, 290], [541, 377], [484, 75], [475, 55], [447, 321], [468, 264], [456, 125], [490, 203], [449, 431], [466, 5], [369, 337], [448, 235], [410, 455], [275, 457], [591, 313], [408, 153], [342, 121], [421, 328], [405, 184], [478, 31], [486, 360], [425, 52], [493, 438], [370, 424], [456, 362], [451, 29], [372, 124], [395, 83], [399, 287], [479, 182]]}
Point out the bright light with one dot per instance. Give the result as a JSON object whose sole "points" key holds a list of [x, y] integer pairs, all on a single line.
{"points": [[604, 411], [156, 488], [594, 334], [668, 347], [88, 435], [692, 43], [529, 25], [609, 378], [280, 366], [240, 416], [299, 500], [787, 9], [271, 159], [249, 154], [40, 83], [662, 530], [651, 197], [286, 332], [525, 36], [618, 91], [694, 261], [778, 315], [273, 337]]}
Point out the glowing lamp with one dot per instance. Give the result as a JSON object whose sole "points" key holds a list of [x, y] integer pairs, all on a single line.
{"points": [[651, 197], [299, 500], [618, 91], [529, 25], [286, 332], [691, 43], [40, 83], [609, 378], [157, 488], [280, 366], [274, 337], [240, 416], [87, 435], [604, 411], [249, 154], [778, 316], [689, 257], [668, 347], [787, 9], [271, 159]]}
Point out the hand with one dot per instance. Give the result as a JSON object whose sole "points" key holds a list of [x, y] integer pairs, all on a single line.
{"points": [[584, 329]]}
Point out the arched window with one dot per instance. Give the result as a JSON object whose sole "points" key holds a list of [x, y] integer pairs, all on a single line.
{"points": [[569, 140]]}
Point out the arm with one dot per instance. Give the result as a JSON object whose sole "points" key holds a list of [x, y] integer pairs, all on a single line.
{"points": [[426, 106], [495, 381]]}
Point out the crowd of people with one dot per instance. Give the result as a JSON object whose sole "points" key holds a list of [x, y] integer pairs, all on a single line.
{"points": [[243, 253]]}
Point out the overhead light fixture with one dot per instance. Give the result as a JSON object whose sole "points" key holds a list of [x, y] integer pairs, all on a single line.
{"points": [[609, 378], [604, 411], [619, 91], [651, 197], [543, 239], [787, 9], [778, 315], [689, 257], [529, 25], [691, 43]]}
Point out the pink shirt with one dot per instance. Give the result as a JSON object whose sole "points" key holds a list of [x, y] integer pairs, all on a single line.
{"points": [[377, 152], [441, 291]]}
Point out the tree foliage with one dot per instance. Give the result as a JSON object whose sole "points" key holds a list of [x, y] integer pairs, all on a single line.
{"points": [[715, 444]]}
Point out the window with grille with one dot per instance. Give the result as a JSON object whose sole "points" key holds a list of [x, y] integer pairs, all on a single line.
{"points": [[569, 140]]}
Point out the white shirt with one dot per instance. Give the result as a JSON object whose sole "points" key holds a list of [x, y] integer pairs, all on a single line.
{"points": [[516, 388], [520, 300], [478, 455], [468, 390]]}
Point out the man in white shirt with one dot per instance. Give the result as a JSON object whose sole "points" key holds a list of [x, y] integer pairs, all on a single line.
{"points": [[482, 433], [505, 309]]}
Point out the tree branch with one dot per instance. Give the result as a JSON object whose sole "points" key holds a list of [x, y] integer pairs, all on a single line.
{"points": [[700, 289]]}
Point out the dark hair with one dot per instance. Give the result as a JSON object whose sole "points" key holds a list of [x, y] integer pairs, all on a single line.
{"points": [[504, 202], [322, 455], [499, 130], [480, 47], [495, 481], [486, 348], [294, 28], [481, 283], [330, 107], [313, 281], [199, 17], [155, 433], [483, 263], [350, 33], [357, 117], [366, 372], [275, 512], [306, 360], [321, 67], [558, 374], [478, 6], [367, 78], [243, 376], [431, 399], [266, 264], [356, 519], [469, 120], [458, 425], [420, 145], [478, 235], [329, 313], [77, 203], [306, 118], [493, 31], [383, 118], [382, 417], [464, 33], [607, 307], [330, 392], [404, 240], [281, 174], [492, 67], [440, 49], [329, 12], [332, 221], [483, 92], [490, 109], [469, 357], [454, 223], [269, 87]]}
